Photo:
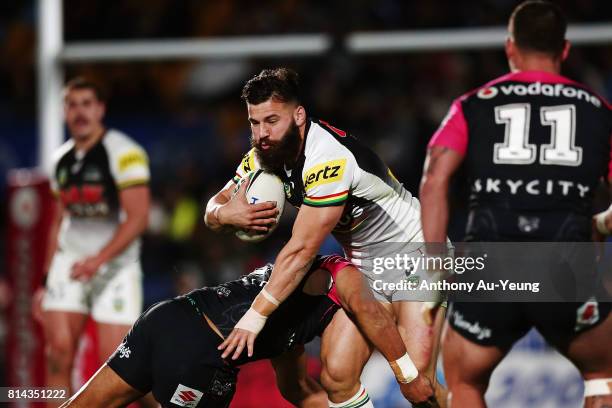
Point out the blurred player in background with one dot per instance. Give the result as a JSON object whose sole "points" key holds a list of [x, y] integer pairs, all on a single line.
{"points": [[340, 187], [100, 178], [535, 145]]}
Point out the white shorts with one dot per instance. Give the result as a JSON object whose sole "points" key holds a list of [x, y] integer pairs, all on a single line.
{"points": [[113, 295]]}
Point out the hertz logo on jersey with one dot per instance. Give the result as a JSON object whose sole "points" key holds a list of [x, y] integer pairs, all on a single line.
{"points": [[324, 173]]}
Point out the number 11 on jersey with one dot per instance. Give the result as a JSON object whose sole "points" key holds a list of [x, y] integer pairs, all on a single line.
{"points": [[516, 149]]}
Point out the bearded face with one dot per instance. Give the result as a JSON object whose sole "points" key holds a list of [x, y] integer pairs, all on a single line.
{"points": [[274, 155]]}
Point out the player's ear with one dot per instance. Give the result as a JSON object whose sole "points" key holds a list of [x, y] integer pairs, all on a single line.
{"points": [[102, 108], [299, 115], [566, 50], [510, 48]]}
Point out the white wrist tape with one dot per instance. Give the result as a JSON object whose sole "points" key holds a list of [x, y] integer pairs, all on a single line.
{"points": [[599, 386], [252, 321], [404, 369], [600, 221], [269, 297]]}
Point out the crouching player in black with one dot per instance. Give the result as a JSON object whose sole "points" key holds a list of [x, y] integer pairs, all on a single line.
{"points": [[172, 349]]}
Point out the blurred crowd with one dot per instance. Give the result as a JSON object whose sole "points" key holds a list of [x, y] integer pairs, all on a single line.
{"points": [[189, 117]]}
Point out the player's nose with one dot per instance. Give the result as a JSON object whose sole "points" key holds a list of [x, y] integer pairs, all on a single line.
{"points": [[264, 131]]}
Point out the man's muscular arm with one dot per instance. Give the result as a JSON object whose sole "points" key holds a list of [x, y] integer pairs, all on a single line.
{"points": [[440, 165], [311, 227]]}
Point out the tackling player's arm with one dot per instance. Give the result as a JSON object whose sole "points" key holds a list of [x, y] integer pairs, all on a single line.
{"points": [[135, 203], [311, 227]]}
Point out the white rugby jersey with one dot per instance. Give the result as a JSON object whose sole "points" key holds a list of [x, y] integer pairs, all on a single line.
{"points": [[88, 184], [335, 168]]}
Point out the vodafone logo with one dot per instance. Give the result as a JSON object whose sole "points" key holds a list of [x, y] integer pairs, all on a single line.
{"points": [[587, 314], [487, 93], [25, 207]]}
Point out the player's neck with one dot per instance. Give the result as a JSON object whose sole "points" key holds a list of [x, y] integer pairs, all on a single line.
{"points": [[86, 144], [537, 63], [302, 131]]}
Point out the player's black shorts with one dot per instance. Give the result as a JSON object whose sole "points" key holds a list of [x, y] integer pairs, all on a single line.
{"points": [[502, 324], [172, 352]]}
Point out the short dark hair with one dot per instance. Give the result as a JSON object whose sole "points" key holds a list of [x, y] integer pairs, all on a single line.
{"points": [[281, 84], [84, 83], [538, 25]]}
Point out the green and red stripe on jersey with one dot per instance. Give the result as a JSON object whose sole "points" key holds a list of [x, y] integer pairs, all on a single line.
{"points": [[327, 200]]}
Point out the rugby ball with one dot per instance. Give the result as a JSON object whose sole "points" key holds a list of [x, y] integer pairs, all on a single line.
{"points": [[263, 186]]}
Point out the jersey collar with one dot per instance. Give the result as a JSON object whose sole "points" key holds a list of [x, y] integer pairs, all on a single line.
{"points": [[537, 76]]}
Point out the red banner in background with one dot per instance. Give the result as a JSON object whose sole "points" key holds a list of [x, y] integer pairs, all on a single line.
{"points": [[29, 219]]}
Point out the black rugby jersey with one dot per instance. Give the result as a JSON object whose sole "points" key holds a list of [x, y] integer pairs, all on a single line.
{"points": [[297, 320], [536, 145]]}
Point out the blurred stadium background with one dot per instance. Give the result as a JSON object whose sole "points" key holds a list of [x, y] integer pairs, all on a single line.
{"points": [[188, 115]]}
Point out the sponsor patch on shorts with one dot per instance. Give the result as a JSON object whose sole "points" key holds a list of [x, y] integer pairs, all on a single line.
{"points": [[186, 397]]}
